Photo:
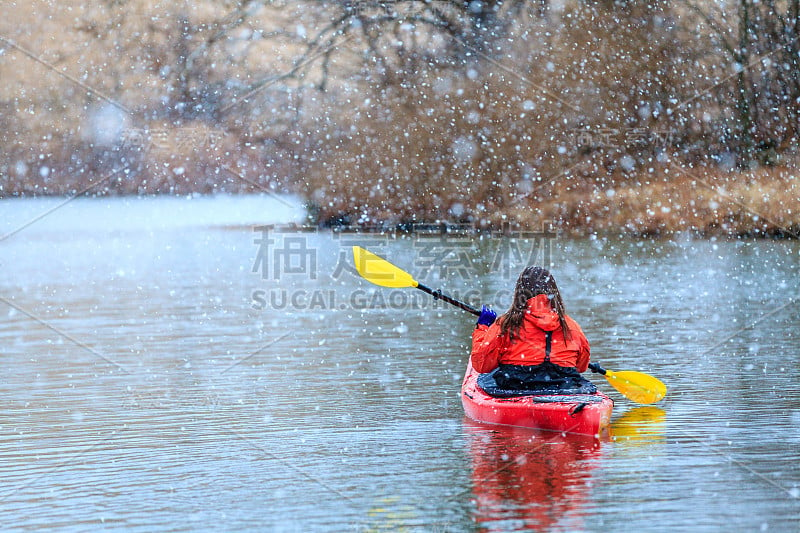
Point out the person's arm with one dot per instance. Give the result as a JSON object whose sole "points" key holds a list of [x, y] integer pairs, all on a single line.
{"points": [[486, 343], [584, 351]]}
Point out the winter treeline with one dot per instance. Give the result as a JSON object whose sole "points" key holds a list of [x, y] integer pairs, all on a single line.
{"points": [[414, 110]]}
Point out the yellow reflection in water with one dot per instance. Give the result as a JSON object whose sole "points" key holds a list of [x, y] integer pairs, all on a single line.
{"points": [[390, 515], [642, 425]]}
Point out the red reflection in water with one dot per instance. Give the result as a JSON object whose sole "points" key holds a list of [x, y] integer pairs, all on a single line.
{"points": [[524, 479]]}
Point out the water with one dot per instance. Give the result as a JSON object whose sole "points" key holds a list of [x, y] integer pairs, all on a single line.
{"points": [[152, 381]]}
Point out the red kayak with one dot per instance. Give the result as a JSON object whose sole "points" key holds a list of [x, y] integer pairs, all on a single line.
{"points": [[585, 414]]}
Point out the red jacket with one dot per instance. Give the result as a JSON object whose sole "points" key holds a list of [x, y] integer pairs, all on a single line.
{"points": [[490, 348]]}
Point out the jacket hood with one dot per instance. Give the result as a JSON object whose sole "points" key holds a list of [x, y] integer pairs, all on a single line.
{"points": [[541, 314]]}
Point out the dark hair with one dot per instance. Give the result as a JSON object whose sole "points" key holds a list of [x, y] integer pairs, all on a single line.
{"points": [[533, 281]]}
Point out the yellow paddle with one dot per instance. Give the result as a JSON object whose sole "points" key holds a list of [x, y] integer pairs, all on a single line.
{"points": [[379, 271], [636, 386]]}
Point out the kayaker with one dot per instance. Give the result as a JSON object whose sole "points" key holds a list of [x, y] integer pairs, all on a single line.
{"points": [[534, 346]]}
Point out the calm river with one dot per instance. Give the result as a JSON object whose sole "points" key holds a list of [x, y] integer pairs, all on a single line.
{"points": [[169, 365]]}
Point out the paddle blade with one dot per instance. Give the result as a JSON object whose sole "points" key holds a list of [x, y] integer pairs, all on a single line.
{"points": [[379, 271], [637, 386]]}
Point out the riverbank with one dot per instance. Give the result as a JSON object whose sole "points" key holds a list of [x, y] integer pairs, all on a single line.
{"points": [[764, 203], [702, 202], [699, 202]]}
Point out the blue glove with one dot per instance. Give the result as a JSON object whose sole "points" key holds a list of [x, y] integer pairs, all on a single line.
{"points": [[487, 317]]}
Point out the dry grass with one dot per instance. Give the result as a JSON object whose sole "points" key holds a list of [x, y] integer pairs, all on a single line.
{"points": [[672, 200]]}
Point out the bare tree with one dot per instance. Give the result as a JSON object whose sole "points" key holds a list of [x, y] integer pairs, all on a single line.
{"points": [[761, 42]]}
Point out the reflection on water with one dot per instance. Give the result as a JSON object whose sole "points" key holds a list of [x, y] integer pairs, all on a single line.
{"points": [[143, 389], [530, 480], [640, 425]]}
